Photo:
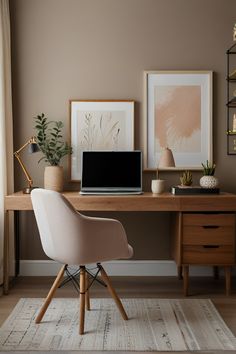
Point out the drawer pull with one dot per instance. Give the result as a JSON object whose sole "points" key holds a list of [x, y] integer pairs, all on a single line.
{"points": [[211, 246], [210, 226]]}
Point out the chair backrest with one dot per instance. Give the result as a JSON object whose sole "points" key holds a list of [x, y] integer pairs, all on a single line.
{"points": [[57, 221], [72, 238]]}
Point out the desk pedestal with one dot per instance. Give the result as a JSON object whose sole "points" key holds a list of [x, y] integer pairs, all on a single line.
{"points": [[204, 239]]}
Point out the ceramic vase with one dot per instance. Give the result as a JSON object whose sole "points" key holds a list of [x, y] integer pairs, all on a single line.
{"points": [[209, 182], [158, 186], [166, 159], [53, 178]]}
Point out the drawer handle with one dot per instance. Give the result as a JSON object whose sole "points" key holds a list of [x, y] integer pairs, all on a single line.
{"points": [[211, 246], [210, 226]]}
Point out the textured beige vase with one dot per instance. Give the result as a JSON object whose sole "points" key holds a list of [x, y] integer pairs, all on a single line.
{"points": [[209, 182], [53, 178]]}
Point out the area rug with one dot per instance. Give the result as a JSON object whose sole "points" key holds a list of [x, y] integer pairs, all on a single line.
{"points": [[154, 325]]}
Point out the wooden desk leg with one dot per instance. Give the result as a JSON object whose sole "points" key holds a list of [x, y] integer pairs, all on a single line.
{"points": [[186, 279], [180, 272], [228, 280], [216, 272], [6, 255], [17, 241]]}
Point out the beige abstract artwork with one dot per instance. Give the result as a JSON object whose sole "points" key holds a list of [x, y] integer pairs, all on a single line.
{"points": [[178, 118], [101, 130]]}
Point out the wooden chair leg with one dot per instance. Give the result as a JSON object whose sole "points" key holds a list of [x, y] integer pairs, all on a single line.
{"points": [[50, 294], [87, 299], [106, 280], [82, 299]]}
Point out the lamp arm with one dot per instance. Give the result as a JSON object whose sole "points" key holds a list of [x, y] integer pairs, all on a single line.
{"points": [[30, 141], [16, 154]]}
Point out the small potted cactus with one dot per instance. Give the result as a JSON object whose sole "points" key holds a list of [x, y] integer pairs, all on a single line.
{"points": [[208, 180], [186, 179]]}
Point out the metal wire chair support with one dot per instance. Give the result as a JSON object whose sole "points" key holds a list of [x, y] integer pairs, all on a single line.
{"points": [[73, 278], [69, 277]]}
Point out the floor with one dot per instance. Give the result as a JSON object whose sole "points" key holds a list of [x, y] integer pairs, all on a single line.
{"points": [[159, 287]]}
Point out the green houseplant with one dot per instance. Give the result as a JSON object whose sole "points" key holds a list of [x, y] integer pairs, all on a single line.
{"points": [[209, 168], [208, 180], [49, 140]]}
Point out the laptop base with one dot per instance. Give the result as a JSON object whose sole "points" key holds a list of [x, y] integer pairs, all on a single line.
{"points": [[111, 193]]}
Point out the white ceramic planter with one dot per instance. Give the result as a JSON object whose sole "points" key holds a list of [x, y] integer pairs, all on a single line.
{"points": [[54, 178], [209, 182]]}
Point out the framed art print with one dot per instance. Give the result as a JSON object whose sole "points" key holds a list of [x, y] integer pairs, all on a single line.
{"points": [[178, 116], [99, 125], [231, 144]]}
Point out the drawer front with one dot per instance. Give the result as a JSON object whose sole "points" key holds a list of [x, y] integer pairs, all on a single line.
{"points": [[208, 234], [208, 229], [208, 254], [209, 220]]}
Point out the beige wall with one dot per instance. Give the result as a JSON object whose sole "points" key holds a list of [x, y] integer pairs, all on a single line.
{"points": [[98, 49]]}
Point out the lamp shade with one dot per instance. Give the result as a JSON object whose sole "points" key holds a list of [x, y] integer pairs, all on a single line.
{"points": [[166, 159], [33, 147]]}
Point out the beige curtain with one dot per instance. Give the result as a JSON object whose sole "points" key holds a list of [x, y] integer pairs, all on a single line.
{"points": [[6, 131]]}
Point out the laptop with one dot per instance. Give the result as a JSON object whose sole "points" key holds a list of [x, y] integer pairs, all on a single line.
{"points": [[111, 172]]}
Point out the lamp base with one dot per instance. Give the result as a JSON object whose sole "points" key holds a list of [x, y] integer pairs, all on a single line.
{"points": [[28, 190]]}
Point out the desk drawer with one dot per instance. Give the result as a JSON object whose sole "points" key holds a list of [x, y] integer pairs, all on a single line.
{"points": [[208, 234], [209, 219], [208, 254], [212, 229]]}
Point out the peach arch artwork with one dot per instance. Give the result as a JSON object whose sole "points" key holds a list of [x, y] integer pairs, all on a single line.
{"points": [[178, 118]]}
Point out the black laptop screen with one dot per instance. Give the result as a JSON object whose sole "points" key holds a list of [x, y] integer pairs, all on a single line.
{"points": [[111, 169]]}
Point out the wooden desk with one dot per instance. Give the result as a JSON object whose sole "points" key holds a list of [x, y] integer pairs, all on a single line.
{"points": [[216, 204]]}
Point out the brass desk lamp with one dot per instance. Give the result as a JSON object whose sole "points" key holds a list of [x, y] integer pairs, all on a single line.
{"points": [[33, 147]]}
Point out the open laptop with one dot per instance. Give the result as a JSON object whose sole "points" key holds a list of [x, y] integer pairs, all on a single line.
{"points": [[111, 172]]}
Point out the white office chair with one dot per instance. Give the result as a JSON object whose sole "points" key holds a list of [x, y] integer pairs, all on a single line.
{"points": [[74, 239]]}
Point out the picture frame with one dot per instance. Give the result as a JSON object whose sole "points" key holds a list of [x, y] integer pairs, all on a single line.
{"points": [[178, 111], [232, 144], [99, 125]]}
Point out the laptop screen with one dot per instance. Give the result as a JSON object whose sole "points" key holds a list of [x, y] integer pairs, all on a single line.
{"points": [[111, 171]]}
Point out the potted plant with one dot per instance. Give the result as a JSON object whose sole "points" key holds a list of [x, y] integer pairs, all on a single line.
{"points": [[186, 179], [208, 180], [49, 140]]}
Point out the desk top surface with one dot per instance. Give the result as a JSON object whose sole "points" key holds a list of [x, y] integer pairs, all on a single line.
{"points": [[144, 202]]}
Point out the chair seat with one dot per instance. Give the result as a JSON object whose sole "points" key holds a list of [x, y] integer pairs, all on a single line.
{"points": [[106, 257]]}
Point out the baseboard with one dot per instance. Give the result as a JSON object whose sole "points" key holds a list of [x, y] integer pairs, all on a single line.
{"points": [[115, 268]]}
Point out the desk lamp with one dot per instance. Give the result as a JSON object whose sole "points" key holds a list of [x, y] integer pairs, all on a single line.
{"points": [[33, 147]]}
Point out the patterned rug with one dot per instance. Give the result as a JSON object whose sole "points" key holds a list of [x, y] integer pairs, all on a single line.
{"points": [[154, 325]]}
